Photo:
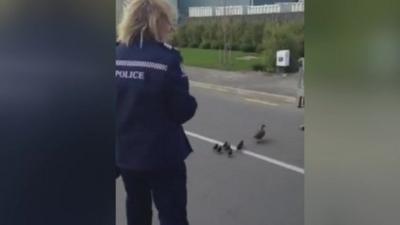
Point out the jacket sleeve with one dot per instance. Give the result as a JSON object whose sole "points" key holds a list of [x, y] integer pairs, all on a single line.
{"points": [[181, 106]]}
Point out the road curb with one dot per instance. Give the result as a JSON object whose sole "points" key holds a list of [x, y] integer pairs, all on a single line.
{"points": [[245, 92]]}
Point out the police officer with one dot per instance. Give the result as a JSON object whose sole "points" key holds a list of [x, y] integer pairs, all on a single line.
{"points": [[153, 101]]}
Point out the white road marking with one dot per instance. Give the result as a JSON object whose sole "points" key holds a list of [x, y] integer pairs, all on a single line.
{"points": [[249, 153], [260, 102], [221, 89]]}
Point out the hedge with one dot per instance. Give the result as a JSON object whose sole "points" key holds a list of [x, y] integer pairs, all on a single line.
{"points": [[246, 36]]}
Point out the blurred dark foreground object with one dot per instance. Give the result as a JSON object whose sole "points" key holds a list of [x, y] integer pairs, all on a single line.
{"points": [[56, 115]]}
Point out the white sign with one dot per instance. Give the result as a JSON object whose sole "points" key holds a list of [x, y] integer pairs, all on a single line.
{"points": [[283, 58]]}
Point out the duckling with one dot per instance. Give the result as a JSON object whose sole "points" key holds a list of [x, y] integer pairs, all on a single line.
{"points": [[226, 146], [219, 149], [216, 146], [240, 145], [260, 133], [230, 153]]}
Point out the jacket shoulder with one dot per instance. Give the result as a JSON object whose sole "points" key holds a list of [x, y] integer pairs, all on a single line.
{"points": [[169, 47], [172, 51]]}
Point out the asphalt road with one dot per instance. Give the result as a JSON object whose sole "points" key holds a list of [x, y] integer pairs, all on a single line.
{"points": [[261, 186]]}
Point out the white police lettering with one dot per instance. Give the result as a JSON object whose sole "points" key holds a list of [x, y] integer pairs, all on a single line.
{"points": [[125, 74], [141, 64]]}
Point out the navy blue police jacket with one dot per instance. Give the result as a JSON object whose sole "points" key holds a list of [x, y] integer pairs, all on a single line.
{"points": [[153, 102]]}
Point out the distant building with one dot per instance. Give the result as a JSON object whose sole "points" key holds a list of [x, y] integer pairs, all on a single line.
{"points": [[182, 6], [265, 2], [195, 3]]}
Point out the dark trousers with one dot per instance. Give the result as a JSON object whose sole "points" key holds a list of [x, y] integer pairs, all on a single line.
{"points": [[167, 188]]}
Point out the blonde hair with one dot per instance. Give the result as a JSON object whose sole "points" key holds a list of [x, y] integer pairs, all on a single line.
{"points": [[142, 18]]}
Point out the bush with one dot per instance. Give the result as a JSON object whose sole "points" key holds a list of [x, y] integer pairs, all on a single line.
{"points": [[193, 45], [205, 45], [246, 36], [196, 32], [179, 39], [258, 67], [260, 48], [247, 47], [235, 47], [217, 45]]}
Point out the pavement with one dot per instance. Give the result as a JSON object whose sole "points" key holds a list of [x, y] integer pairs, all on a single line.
{"points": [[251, 80], [262, 185]]}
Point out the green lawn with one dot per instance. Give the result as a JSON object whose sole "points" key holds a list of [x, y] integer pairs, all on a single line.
{"points": [[211, 59]]}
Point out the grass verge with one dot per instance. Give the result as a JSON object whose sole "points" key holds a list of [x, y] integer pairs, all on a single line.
{"points": [[208, 58]]}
